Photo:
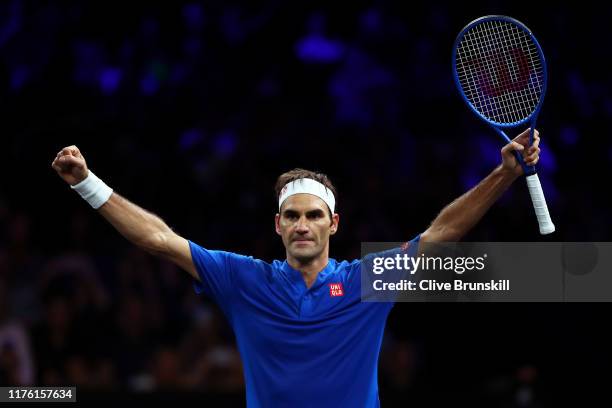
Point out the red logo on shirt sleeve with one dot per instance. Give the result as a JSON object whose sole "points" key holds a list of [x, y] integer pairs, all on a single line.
{"points": [[336, 289]]}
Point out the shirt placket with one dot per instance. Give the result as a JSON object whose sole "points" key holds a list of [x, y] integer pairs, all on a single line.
{"points": [[306, 304]]}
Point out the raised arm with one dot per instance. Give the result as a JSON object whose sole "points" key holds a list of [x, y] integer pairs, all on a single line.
{"points": [[140, 227], [457, 218]]}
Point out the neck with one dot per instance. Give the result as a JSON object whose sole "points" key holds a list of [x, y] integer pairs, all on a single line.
{"points": [[310, 268]]}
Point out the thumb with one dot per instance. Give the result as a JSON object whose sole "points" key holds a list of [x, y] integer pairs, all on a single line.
{"points": [[512, 146]]}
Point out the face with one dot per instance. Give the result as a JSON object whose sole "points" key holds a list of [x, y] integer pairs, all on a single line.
{"points": [[305, 226]]}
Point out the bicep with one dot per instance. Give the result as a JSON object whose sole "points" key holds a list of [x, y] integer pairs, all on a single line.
{"points": [[176, 250]]}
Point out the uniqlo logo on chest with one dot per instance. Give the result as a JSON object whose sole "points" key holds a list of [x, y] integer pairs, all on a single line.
{"points": [[335, 289]]}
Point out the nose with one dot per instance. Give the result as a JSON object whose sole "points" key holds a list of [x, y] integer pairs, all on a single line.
{"points": [[302, 225]]}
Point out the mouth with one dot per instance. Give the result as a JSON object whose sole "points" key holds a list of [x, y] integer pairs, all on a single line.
{"points": [[302, 241]]}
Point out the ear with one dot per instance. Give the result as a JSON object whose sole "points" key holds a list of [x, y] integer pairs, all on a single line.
{"points": [[335, 222], [277, 224]]}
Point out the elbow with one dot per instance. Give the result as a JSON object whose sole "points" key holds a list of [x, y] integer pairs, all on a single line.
{"points": [[441, 234], [155, 244]]}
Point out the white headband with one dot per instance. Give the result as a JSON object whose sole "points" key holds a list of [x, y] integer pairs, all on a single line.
{"points": [[307, 186]]}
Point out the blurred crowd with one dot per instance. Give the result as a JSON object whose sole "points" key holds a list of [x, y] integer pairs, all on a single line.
{"points": [[130, 322], [192, 110]]}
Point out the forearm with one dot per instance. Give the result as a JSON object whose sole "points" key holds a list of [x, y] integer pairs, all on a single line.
{"points": [[139, 226], [457, 218], [136, 224]]}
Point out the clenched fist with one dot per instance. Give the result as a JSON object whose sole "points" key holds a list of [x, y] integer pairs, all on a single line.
{"points": [[530, 154], [70, 165]]}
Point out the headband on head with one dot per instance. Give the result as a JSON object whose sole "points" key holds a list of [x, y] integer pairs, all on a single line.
{"points": [[307, 186]]}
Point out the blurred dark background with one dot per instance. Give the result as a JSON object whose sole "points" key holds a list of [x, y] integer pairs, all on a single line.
{"points": [[192, 109]]}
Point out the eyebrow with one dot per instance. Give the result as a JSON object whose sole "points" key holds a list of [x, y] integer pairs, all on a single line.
{"points": [[289, 213]]}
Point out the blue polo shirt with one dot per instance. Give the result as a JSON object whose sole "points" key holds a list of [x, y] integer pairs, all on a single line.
{"points": [[300, 347]]}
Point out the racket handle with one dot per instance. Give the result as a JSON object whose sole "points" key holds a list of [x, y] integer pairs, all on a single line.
{"points": [[539, 204]]}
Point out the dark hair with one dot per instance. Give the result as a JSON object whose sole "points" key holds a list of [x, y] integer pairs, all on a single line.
{"points": [[297, 174]]}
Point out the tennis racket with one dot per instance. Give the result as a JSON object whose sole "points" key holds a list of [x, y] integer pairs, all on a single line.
{"points": [[500, 71]]}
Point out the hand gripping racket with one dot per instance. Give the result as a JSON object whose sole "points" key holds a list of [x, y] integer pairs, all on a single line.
{"points": [[500, 71]]}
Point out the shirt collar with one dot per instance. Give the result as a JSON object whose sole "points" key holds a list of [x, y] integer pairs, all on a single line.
{"points": [[295, 277]]}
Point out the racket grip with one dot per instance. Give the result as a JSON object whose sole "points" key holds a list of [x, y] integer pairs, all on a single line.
{"points": [[539, 204]]}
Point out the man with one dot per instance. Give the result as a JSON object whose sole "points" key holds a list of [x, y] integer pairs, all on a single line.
{"points": [[304, 335]]}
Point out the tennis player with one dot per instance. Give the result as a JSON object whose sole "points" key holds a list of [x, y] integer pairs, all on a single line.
{"points": [[304, 335]]}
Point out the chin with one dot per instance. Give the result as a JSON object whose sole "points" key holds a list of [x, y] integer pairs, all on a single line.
{"points": [[305, 256]]}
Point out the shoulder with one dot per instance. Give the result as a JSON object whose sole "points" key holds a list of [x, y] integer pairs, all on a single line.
{"points": [[346, 265], [248, 269], [345, 271]]}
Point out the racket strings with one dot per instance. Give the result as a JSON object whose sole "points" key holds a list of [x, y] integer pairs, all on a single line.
{"points": [[511, 101], [526, 93], [500, 71], [490, 64]]}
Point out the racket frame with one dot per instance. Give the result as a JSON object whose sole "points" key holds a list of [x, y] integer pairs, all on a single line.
{"points": [[533, 182], [499, 126]]}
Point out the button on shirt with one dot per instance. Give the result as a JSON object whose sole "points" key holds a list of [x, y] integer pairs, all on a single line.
{"points": [[300, 347]]}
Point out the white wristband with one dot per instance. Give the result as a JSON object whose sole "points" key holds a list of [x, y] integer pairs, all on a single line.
{"points": [[93, 190]]}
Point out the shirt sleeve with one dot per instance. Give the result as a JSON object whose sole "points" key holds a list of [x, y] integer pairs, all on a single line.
{"points": [[217, 271], [368, 277]]}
